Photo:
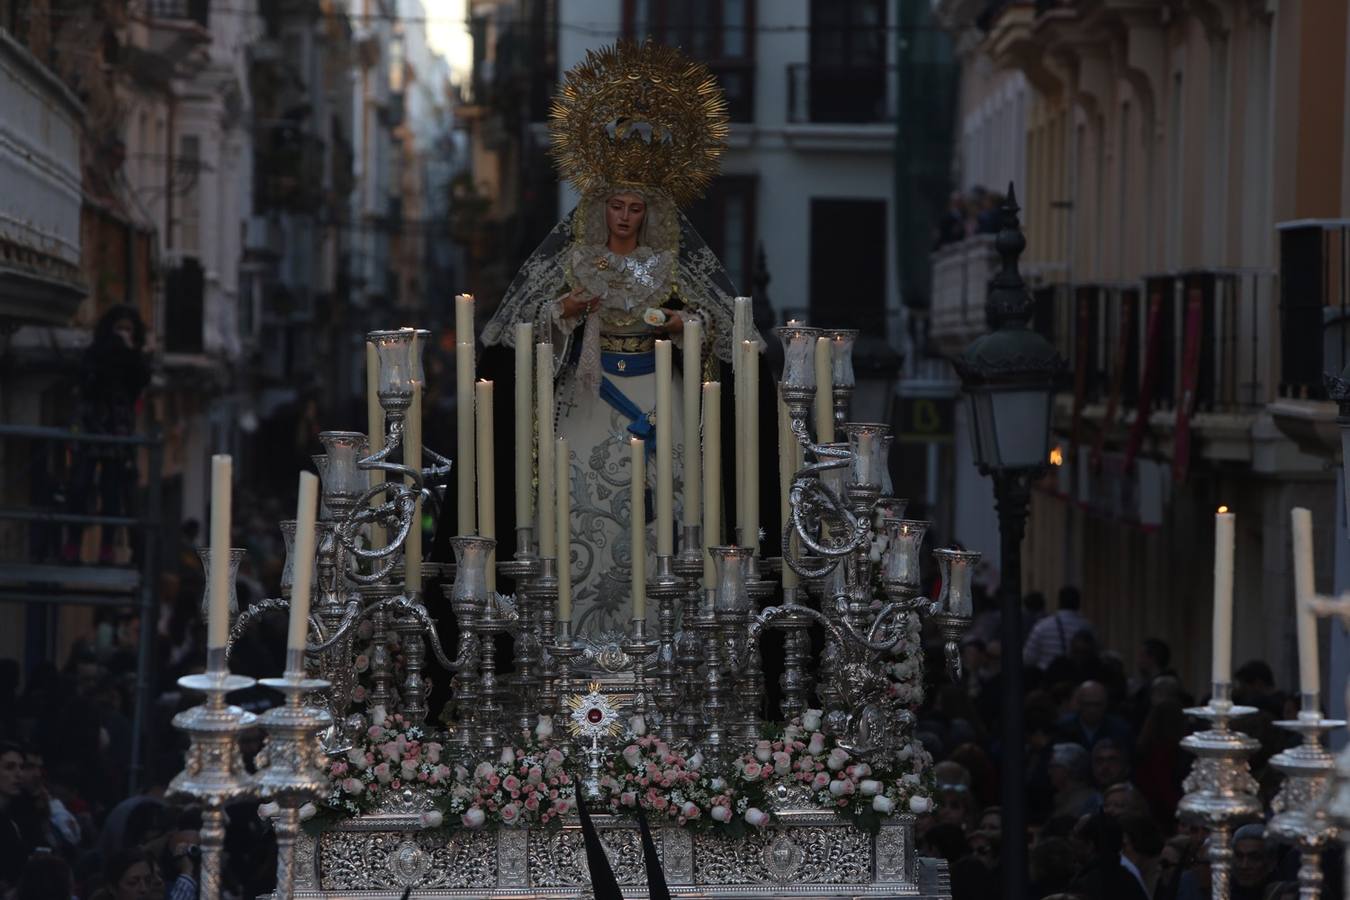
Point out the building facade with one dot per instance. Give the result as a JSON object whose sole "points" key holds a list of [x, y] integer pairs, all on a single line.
{"points": [[1181, 173]]}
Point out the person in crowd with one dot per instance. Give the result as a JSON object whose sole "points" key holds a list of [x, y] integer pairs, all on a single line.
{"points": [[1052, 864], [1091, 721], [1106, 875], [130, 874], [1140, 848], [1070, 772], [1254, 685], [46, 876], [16, 843], [1152, 661], [1176, 856], [1049, 639], [114, 371], [1110, 765], [1123, 799], [183, 856], [1253, 863]]}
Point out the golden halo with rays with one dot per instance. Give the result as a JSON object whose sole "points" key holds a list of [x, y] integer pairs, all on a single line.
{"points": [[642, 116]]}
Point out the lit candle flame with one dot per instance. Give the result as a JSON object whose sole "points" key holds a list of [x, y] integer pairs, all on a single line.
{"points": [[1222, 510], [1056, 456]]}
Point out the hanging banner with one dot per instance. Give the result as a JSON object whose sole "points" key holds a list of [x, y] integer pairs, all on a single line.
{"points": [[1190, 376], [1147, 385], [1081, 342], [1127, 302]]}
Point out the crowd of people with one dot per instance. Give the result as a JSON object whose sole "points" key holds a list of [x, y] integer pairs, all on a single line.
{"points": [[1103, 776], [1104, 769], [968, 213]]}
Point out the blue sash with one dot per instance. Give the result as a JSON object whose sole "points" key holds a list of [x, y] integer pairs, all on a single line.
{"points": [[627, 365]]}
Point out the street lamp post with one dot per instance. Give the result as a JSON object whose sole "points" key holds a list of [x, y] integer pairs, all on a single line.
{"points": [[1008, 375]]}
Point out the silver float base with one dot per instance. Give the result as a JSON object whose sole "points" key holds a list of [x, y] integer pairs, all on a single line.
{"points": [[810, 856]]}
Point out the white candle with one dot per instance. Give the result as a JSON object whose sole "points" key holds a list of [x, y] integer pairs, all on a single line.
{"points": [[543, 373], [740, 330], [824, 392], [487, 474], [374, 430], [750, 428], [524, 423], [787, 467], [412, 456], [218, 609], [464, 441], [691, 394], [637, 485], [712, 476], [1309, 681], [665, 453], [1224, 526], [464, 318], [306, 513], [564, 526]]}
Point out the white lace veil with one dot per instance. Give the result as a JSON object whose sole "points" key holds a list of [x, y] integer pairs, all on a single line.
{"points": [[700, 279]]}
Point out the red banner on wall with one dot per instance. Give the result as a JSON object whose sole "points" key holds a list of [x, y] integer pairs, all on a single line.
{"points": [[1083, 319], [1152, 340], [1190, 376], [1127, 299]]}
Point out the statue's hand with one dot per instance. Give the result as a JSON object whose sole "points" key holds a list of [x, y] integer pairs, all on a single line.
{"points": [[578, 302], [674, 323]]}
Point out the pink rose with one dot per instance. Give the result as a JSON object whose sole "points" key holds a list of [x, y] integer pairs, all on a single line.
{"points": [[782, 763], [375, 733], [536, 775], [352, 786], [532, 802], [817, 744], [628, 798], [510, 814], [751, 770], [721, 813], [433, 752], [408, 768], [756, 817], [820, 781], [763, 752], [690, 810], [382, 773], [511, 783]]}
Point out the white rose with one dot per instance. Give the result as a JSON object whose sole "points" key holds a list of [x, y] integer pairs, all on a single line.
{"points": [[884, 805], [377, 715], [695, 761], [632, 755], [756, 817], [816, 745], [308, 811], [763, 752], [655, 317], [721, 813], [544, 730], [718, 784], [838, 788], [484, 770], [919, 804], [869, 787], [638, 725], [432, 819], [474, 818], [811, 720], [689, 810], [508, 757], [357, 757]]}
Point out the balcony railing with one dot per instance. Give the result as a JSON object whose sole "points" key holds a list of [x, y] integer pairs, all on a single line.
{"points": [[841, 94], [198, 11]]}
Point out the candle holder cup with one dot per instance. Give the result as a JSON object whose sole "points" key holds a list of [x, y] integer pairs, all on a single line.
{"points": [[1302, 808]]}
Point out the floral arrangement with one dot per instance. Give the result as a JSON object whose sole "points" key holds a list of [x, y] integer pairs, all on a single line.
{"points": [[805, 758], [392, 753], [670, 785], [526, 785]]}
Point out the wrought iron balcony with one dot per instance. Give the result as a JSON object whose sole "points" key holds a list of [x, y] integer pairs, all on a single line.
{"points": [[847, 94]]}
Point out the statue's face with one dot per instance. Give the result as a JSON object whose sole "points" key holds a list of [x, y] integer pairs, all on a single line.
{"points": [[624, 214]]}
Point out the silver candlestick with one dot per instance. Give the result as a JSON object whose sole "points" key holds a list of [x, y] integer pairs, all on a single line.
{"points": [[638, 647], [1220, 790], [291, 764], [523, 569], [564, 651], [665, 588], [213, 772], [1300, 815], [688, 567]]}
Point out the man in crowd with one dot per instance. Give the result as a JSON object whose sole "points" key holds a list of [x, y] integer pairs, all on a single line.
{"points": [[1049, 639], [1090, 722], [1253, 863]]}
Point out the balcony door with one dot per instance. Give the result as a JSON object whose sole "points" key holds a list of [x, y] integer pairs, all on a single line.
{"points": [[847, 80], [848, 264]]}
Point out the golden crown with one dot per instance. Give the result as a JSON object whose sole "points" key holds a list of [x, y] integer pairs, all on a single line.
{"points": [[639, 116]]}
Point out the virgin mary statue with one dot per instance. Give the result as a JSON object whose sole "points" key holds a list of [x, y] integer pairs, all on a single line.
{"points": [[637, 130]]}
